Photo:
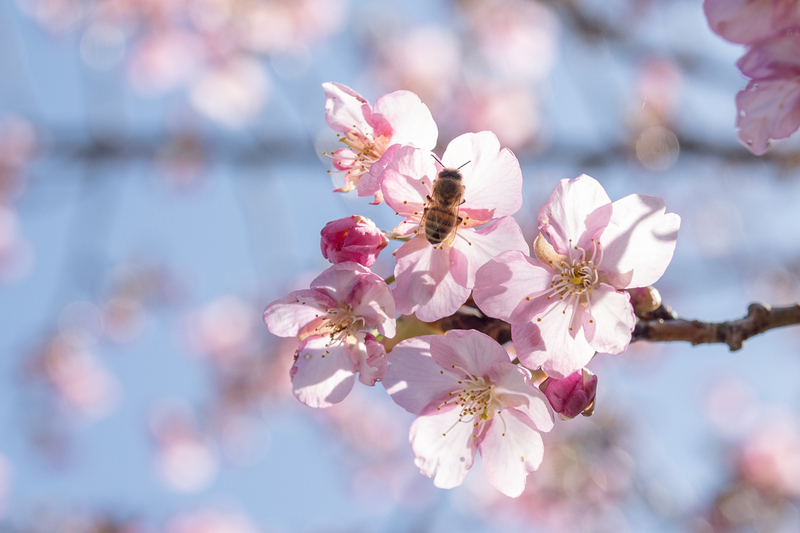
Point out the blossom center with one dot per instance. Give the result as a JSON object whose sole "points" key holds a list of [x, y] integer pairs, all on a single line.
{"points": [[339, 323], [576, 275], [478, 399], [367, 149]]}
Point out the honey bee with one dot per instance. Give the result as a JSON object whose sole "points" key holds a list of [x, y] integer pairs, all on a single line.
{"points": [[440, 218]]}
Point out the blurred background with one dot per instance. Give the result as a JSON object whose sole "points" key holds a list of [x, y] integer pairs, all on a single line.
{"points": [[162, 180]]}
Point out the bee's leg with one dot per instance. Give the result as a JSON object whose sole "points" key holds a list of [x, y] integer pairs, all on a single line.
{"points": [[429, 198]]}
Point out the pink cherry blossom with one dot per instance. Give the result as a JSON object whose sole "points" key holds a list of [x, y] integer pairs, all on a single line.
{"points": [[469, 399], [566, 305], [769, 107], [399, 118], [333, 320], [354, 238], [573, 395], [749, 21], [434, 280]]}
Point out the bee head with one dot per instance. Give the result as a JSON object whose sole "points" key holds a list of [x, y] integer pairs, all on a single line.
{"points": [[449, 174]]}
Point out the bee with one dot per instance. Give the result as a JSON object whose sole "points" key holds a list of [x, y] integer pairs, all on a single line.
{"points": [[440, 218]]}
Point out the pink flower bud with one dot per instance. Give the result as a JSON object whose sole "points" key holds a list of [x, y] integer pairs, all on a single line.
{"points": [[354, 238], [573, 395]]}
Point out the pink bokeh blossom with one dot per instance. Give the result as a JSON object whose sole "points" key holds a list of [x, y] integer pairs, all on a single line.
{"points": [[433, 281], [567, 305], [396, 119], [353, 238], [769, 107], [749, 21], [469, 398]]}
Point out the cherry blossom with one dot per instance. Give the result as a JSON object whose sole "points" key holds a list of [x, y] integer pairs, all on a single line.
{"points": [[749, 21], [769, 107], [332, 319], [469, 398], [373, 133], [354, 238], [434, 280], [566, 305]]}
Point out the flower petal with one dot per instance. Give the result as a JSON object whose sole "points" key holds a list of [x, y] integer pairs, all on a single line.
{"points": [[473, 248], [413, 378], [407, 180], [369, 359], [286, 316], [748, 21], [510, 450], [443, 447], [322, 375], [639, 241], [410, 119], [340, 279], [372, 300], [492, 178], [344, 108], [609, 325], [370, 183], [467, 351], [578, 210], [550, 345], [507, 287], [424, 283], [520, 393], [768, 109]]}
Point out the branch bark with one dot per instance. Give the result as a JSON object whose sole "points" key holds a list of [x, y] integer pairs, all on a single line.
{"points": [[662, 325], [759, 318]]}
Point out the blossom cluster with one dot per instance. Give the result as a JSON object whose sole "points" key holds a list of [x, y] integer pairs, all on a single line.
{"points": [[769, 107], [564, 303]]}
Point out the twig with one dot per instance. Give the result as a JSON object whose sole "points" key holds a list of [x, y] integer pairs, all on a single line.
{"points": [[662, 325], [760, 318]]}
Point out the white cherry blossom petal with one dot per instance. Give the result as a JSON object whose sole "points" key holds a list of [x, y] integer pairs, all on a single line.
{"points": [[322, 375], [468, 351], [510, 450], [577, 211], [413, 378], [609, 326], [508, 287], [491, 176], [639, 241], [444, 448], [411, 120]]}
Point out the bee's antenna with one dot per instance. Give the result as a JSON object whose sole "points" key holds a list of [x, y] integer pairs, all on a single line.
{"points": [[465, 164], [437, 159]]}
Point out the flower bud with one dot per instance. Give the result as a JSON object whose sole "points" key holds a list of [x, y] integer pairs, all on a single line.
{"points": [[354, 238], [573, 395], [644, 300]]}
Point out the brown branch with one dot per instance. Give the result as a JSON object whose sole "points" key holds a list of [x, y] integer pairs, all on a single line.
{"points": [[760, 318], [661, 325]]}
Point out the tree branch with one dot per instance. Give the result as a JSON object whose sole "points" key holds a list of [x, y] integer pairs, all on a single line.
{"points": [[759, 318], [661, 325]]}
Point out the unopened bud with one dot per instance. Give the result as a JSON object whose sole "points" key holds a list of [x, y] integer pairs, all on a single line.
{"points": [[573, 395], [354, 238], [644, 300]]}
